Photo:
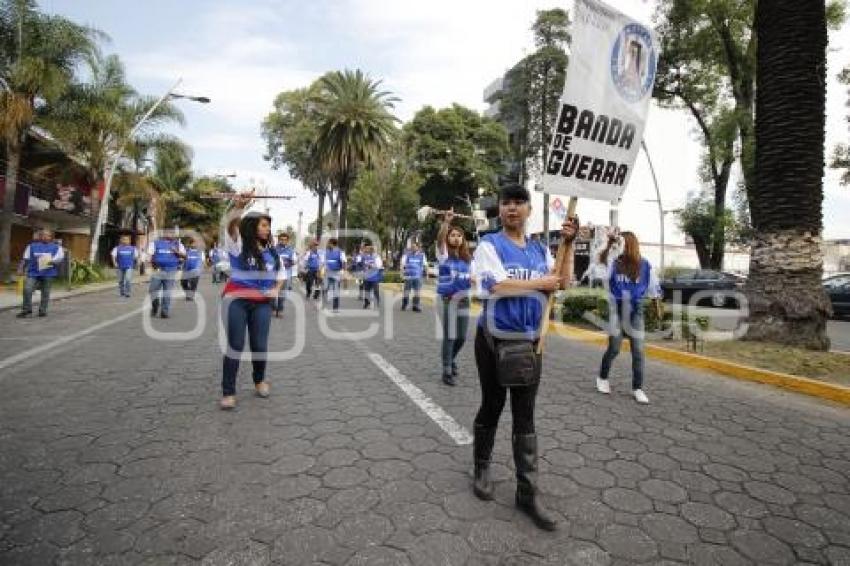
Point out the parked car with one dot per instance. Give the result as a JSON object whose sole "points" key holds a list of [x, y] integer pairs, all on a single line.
{"points": [[837, 287], [721, 287]]}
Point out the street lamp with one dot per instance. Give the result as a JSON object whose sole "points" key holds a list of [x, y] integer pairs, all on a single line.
{"points": [[658, 199], [104, 205]]}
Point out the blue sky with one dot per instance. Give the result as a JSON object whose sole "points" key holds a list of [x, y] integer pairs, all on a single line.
{"points": [[242, 53]]}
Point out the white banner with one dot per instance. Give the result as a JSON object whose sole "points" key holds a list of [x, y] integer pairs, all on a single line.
{"points": [[603, 109]]}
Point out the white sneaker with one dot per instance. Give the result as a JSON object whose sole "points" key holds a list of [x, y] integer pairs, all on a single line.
{"points": [[603, 386], [640, 397]]}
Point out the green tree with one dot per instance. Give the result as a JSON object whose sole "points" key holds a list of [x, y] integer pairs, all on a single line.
{"points": [[39, 54], [699, 220], [291, 131], [533, 87], [456, 151], [356, 126], [385, 199], [787, 301], [841, 155]]}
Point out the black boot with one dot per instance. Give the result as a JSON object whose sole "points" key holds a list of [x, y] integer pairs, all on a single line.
{"points": [[482, 449], [527, 500]]}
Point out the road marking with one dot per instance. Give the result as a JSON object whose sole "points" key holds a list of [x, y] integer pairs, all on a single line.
{"points": [[28, 354], [445, 421]]}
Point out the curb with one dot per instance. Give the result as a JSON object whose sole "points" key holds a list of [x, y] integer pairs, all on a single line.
{"points": [[814, 388], [73, 293]]}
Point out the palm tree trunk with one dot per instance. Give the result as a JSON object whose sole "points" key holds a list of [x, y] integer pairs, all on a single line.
{"points": [[321, 214], [787, 301], [13, 152]]}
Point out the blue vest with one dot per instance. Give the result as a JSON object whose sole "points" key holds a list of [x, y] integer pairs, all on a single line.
{"points": [[516, 314], [193, 260], [357, 264], [621, 286], [246, 273], [286, 253], [414, 265], [125, 256], [373, 274], [38, 249], [215, 256], [313, 261], [164, 255], [333, 260], [454, 277]]}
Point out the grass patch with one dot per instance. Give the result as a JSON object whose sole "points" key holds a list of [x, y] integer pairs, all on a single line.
{"points": [[824, 366]]}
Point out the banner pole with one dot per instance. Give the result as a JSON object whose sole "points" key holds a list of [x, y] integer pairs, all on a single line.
{"points": [[565, 254]]}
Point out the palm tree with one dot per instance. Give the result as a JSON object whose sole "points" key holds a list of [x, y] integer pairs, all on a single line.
{"points": [[38, 56], [356, 126], [93, 120], [787, 301]]}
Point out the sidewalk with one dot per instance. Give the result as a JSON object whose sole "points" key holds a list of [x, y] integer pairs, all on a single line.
{"points": [[10, 299]]}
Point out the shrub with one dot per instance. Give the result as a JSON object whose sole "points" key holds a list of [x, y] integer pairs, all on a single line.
{"points": [[393, 277], [83, 273]]}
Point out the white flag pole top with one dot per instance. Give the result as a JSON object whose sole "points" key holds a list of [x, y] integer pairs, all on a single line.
{"points": [[603, 110]]}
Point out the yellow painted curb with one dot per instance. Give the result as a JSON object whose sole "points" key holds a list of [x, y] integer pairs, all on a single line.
{"points": [[807, 386]]}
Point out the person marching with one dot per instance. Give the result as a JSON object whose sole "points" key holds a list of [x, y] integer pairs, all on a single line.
{"points": [[413, 266], [166, 254], [256, 277], [124, 258], [630, 280], [192, 270], [453, 285], [373, 273], [311, 264], [357, 270], [333, 262], [289, 258], [39, 265], [513, 274], [215, 256]]}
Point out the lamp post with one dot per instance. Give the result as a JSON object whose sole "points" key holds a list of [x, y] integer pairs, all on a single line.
{"points": [[658, 199], [104, 205]]}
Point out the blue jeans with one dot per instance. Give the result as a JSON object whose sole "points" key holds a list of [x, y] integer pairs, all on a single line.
{"points": [[164, 281], [280, 301], [125, 281], [332, 290], [623, 311], [242, 315], [455, 318], [30, 285], [416, 286]]}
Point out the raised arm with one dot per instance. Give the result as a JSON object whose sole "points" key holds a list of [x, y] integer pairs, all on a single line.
{"points": [[241, 202]]}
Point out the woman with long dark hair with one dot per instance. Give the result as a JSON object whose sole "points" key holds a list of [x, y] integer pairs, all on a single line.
{"points": [[514, 274], [453, 286], [631, 279], [255, 281]]}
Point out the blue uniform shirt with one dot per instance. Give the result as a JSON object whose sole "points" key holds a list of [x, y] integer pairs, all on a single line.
{"points": [[246, 273], [373, 268], [37, 249], [164, 254], [454, 275], [125, 256], [621, 286], [194, 259], [414, 265], [333, 260], [313, 260], [497, 258]]}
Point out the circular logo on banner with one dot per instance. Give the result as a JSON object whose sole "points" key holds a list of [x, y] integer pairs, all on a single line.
{"points": [[633, 62]]}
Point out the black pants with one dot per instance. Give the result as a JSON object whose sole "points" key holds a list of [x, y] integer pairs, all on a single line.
{"points": [[370, 289], [190, 285], [312, 280], [493, 395]]}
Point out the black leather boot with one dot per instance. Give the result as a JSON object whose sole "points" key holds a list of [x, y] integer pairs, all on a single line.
{"points": [[482, 449], [527, 500]]}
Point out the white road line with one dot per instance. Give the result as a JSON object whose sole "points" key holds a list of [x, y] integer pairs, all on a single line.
{"points": [[445, 421], [28, 354]]}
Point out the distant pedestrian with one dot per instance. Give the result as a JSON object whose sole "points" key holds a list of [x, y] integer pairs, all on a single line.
{"points": [[631, 278], [192, 268], [357, 270], [373, 274], [40, 260], [514, 274], [453, 286], [166, 255], [312, 265], [289, 259], [413, 266], [256, 277], [124, 258], [215, 259], [333, 262]]}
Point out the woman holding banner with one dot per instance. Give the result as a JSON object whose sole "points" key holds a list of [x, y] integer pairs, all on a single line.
{"points": [[514, 275]]}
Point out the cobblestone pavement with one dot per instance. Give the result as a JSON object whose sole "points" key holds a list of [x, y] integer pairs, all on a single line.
{"points": [[112, 451]]}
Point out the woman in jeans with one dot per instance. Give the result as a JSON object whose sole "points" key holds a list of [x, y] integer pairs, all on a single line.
{"points": [[453, 289], [255, 281], [630, 280], [514, 274]]}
